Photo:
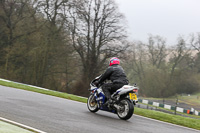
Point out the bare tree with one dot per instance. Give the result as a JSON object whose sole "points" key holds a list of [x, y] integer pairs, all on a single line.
{"points": [[157, 50], [135, 63], [13, 14], [54, 47], [195, 41], [136, 59], [54, 11], [178, 54], [97, 33]]}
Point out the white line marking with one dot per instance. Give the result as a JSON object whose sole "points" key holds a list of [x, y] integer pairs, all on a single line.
{"points": [[21, 125], [168, 123]]}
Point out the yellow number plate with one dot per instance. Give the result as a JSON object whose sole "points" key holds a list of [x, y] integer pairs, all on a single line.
{"points": [[133, 96]]}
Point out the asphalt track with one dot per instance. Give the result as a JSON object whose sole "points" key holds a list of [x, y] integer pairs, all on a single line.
{"points": [[56, 115]]}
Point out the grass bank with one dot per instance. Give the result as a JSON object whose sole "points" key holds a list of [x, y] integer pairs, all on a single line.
{"points": [[175, 119], [179, 120]]}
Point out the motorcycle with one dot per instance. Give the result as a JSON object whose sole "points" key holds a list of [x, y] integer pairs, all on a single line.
{"points": [[123, 99]]}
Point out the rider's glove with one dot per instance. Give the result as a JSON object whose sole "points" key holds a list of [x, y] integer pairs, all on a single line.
{"points": [[96, 83]]}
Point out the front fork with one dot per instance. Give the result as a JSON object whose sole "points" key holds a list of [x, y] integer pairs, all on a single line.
{"points": [[92, 99]]}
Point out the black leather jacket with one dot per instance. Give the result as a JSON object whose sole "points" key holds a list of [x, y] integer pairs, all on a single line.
{"points": [[116, 74]]}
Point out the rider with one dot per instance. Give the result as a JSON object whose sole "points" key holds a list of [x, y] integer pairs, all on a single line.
{"points": [[116, 74]]}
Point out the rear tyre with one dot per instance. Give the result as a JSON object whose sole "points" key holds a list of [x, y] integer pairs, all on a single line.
{"points": [[125, 110], [92, 104]]}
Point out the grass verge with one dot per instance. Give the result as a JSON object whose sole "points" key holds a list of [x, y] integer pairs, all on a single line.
{"points": [[193, 99], [10, 128], [172, 111], [175, 119], [178, 120]]}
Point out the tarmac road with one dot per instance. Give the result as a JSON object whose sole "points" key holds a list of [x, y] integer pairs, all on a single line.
{"points": [[56, 115]]}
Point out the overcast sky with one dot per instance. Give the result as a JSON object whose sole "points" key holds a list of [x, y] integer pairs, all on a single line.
{"points": [[167, 18]]}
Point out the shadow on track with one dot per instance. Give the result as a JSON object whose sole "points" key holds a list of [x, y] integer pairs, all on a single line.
{"points": [[106, 116]]}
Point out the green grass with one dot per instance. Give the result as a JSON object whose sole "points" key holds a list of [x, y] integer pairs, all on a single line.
{"points": [[9, 128], [179, 120], [189, 115], [192, 100]]}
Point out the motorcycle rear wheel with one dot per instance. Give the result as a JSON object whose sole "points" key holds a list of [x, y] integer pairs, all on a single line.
{"points": [[126, 109], [92, 104]]}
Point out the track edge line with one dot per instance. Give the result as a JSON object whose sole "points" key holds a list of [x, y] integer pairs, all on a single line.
{"points": [[21, 125]]}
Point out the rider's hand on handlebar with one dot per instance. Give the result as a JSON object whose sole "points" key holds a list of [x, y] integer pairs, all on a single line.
{"points": [[96, 83]]}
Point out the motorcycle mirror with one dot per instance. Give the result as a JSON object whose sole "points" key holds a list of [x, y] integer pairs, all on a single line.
{"points": [[135, 85]]}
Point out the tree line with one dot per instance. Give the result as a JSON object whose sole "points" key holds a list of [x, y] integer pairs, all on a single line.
{"points": [[63, 44], [163, 71]]}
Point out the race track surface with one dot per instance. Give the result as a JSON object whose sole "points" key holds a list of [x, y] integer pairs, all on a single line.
{"points": [[56, 115]]}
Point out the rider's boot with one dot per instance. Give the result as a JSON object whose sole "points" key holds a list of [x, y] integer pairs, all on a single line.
{"points": [[108, 102]]}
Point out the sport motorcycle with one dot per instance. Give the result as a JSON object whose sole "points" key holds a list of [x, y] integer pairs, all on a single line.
{"points": [[123, 100]]}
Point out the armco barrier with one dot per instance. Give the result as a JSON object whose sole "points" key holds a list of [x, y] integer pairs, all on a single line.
{"points": [[139, 100], [166, 106]]}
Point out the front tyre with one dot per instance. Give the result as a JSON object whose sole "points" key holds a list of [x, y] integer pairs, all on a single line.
{"points": [[92, 104], [125, 110]]}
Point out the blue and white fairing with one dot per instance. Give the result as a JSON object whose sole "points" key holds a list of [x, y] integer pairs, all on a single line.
{"points": [[98, 93], [125, 89], [101, 97]]}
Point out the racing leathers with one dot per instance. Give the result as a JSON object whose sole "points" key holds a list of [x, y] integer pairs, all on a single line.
{"points": [[118, 78]]}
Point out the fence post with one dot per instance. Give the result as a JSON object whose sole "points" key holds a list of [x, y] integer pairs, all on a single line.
{"points": [[176, 103], [175, 110]]}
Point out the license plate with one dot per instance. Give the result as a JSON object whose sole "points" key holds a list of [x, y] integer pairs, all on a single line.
{"points": [[133, 96]]}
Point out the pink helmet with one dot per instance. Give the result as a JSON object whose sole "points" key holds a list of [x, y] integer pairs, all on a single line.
{"points": [[113, 61]]}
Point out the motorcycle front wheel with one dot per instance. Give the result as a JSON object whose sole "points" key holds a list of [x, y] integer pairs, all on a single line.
{"points": [[92, 104], [125, 110]]}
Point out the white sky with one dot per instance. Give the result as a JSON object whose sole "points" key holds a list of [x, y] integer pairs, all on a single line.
{"points": [[167, 18]]}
